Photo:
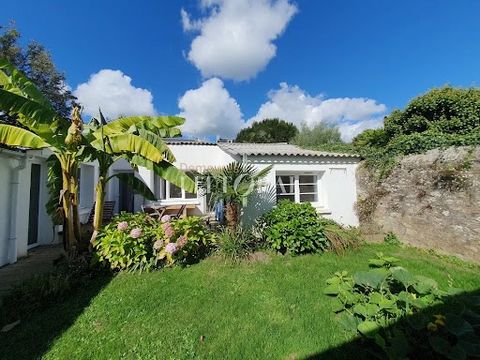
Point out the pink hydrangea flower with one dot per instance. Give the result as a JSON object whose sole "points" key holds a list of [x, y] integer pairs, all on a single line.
{"points": [[122, 226], [171, 248], [136, 233], [167, 228], [157, 245], [165, 218], [182, 241]]}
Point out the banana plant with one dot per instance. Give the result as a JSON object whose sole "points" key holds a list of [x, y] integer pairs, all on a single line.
{"points": [[108, 137], [44, 128]]}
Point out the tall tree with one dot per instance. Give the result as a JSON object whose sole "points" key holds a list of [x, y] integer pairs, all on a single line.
{"points": [[320, 134], [268, 131], [36, 63]]}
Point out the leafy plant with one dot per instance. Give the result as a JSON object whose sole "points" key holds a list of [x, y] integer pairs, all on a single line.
{"points": [[391, 239], [388, 306], [138, 242], [234, 244], [294, 228]]}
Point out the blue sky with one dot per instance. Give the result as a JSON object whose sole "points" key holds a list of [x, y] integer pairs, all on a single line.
{"points": [[346, 62]]}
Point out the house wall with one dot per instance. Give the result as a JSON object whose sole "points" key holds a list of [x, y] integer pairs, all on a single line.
{"points": [[14, 240], [336, 185]]}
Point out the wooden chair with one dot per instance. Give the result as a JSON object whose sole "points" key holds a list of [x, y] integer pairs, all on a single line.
{"points": [[154, 212], [179, 213], [108, 208]]}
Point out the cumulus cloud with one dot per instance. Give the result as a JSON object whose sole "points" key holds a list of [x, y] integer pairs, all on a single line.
{"points": [[235, 39], [351, 115], [113, 92], [210, 110]]}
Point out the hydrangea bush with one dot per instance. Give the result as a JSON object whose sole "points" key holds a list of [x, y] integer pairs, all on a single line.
{"points": [[139, 242]]}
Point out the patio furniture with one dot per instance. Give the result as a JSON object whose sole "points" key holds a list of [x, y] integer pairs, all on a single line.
{"points": [[181, 212], [154, 211], [108, 208]]}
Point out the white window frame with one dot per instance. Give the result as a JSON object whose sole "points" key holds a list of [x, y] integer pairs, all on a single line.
{"points": [[296, 185]]}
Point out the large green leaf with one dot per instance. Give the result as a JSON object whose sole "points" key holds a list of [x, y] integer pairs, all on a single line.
{"points": [[17, 79], [124, 124], [175, 176], [15, 136], [36, 117], [128, 143], [158, 142], [136, 184], [167, 171]]}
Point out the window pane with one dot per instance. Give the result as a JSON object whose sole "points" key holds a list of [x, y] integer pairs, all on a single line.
{"points": [[307, 179], [175, 192], [308, 189], [308, 197], [285, 189], [285, 197], [285, 179]]}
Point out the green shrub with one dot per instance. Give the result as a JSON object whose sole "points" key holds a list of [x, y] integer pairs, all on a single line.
{"points": [[447, 110], [389, 307], [139, 242], [391, 239], [294, 228]]}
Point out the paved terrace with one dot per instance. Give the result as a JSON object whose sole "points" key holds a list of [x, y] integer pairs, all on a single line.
{"points": [[39, 260]]}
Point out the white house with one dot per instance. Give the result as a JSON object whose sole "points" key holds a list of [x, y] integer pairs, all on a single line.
{"points": [[327, 180]]}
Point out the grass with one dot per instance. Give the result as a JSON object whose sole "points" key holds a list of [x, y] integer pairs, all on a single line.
{"points": [[272, 310]]}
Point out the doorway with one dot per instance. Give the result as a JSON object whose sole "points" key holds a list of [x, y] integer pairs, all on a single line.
{"points": [[34, 204], [126, 197]]}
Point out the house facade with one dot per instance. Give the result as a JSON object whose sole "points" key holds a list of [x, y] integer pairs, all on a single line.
{"points": [[326, 180]]}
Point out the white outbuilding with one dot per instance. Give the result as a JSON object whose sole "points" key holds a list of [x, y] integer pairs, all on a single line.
{"points": [[326, 180]]}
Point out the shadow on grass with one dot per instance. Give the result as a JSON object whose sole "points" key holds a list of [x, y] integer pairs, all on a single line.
{"points": [[360, 348], [36, 332]]}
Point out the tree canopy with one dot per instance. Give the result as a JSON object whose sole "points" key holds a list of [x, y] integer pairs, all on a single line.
{"points": [[268, 131], [318, 135], [36, 63]]}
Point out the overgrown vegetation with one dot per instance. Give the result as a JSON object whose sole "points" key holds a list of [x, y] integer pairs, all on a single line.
{"points": [[298, 229], [388, 306]]}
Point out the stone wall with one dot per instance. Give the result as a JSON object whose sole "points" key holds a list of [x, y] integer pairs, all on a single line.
{"points": [[430, 200]]}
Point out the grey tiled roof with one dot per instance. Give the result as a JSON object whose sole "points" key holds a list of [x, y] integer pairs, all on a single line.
{"points": [[180, 141], [278, 149]]}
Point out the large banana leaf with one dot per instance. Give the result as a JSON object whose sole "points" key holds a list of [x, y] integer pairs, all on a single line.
{"points": [[54, 184], [124, 124], [16, 79], [15, 136], [137, 185], [128, 143], [35, 116], [167, 171], [158, 142]]}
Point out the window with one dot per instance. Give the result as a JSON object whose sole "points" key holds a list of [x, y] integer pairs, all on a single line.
{"points": [[297, 187], [167, 191]]}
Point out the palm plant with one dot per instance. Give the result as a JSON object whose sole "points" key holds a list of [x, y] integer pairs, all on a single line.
{"points": [[232, 185], [42, 127]]}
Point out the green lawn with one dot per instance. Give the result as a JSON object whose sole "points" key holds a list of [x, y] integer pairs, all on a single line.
{"points": [[272, 310]]}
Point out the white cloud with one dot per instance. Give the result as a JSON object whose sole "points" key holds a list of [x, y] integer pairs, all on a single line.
{"points": [[113, 92], [210, 110], [235, 39], [351, 115]]}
